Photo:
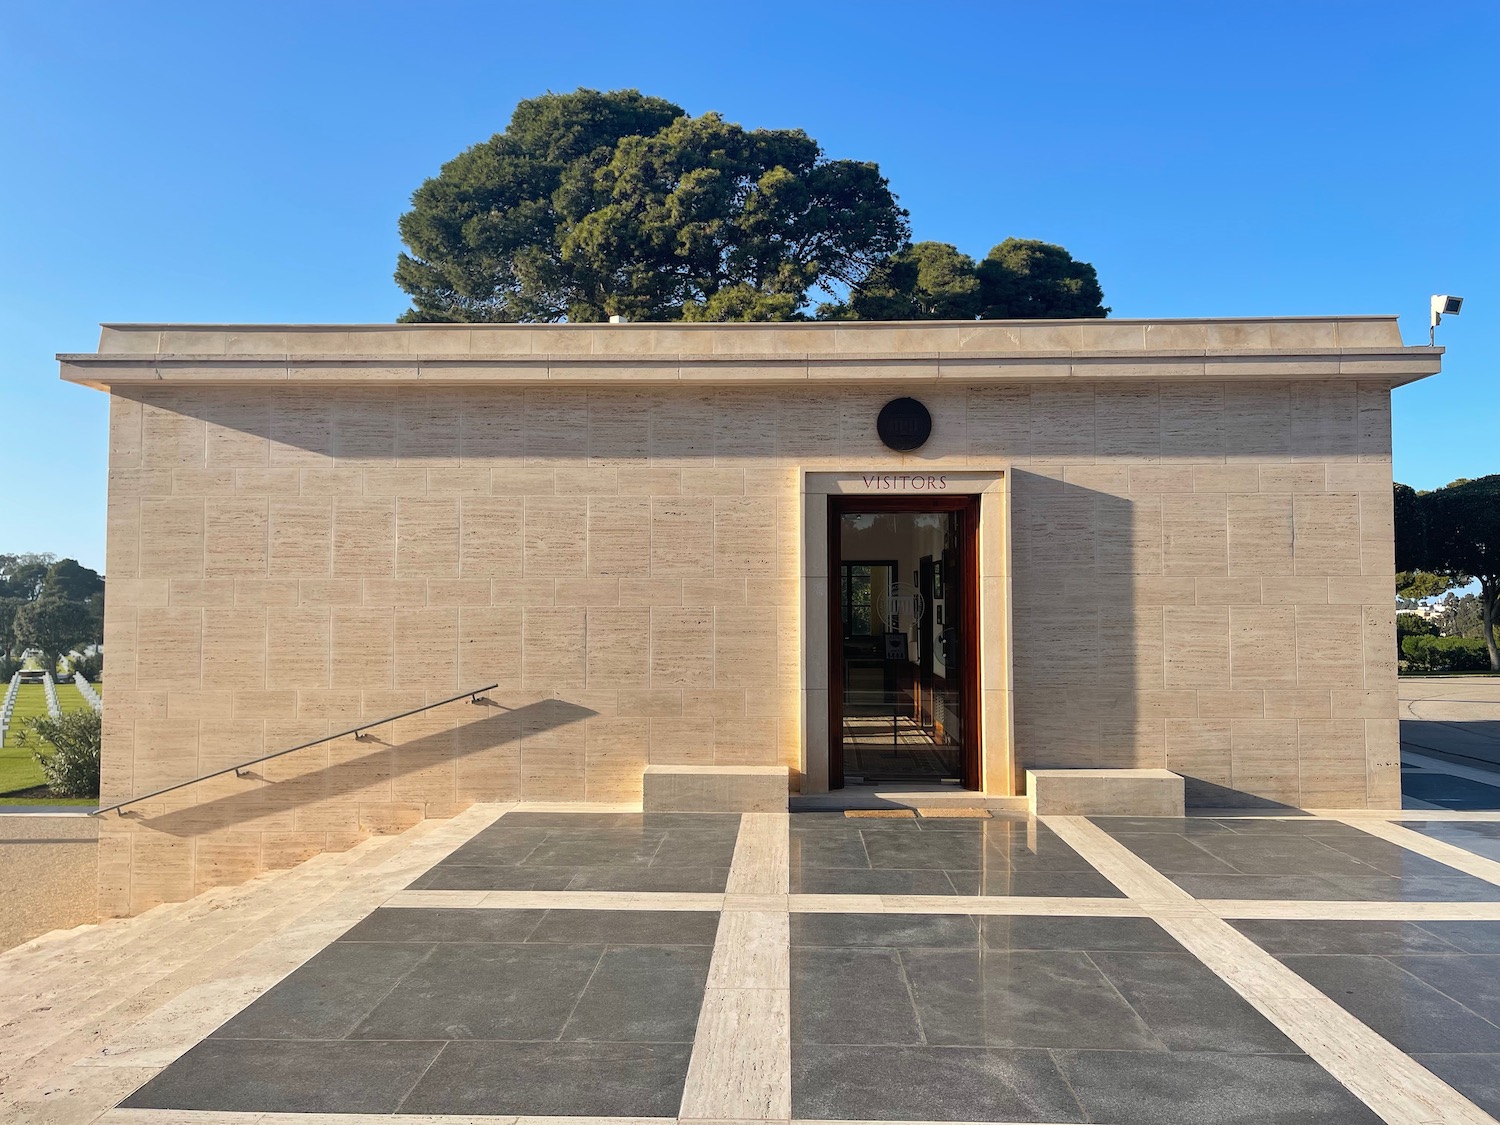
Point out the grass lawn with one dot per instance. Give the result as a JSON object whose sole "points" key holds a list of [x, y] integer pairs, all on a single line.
{"points": [[18, 771]]}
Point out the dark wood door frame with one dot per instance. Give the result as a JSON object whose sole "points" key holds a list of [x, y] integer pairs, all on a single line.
{"points": [[967, 587]]}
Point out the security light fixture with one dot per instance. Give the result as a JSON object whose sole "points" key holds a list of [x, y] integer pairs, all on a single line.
{"points": [[1442, 305]]}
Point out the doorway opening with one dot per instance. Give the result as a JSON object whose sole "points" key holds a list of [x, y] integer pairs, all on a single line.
{"points": [[903, 632]]}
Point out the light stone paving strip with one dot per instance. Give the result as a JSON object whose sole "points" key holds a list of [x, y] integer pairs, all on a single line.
{"points": [[741, 1066], [1341, 910], [1451, 854], [1390, 1082], [207, 1117], [215, 1117]]}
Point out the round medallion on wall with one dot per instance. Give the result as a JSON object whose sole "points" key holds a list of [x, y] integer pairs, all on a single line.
{"points": [[904, 424]]}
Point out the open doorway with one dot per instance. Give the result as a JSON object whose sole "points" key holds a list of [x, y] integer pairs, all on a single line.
{"points": [[903, 657]]}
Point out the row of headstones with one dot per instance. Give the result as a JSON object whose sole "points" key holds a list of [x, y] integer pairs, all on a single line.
{"points": [[90, 696], [50, 689], [10, 704]]}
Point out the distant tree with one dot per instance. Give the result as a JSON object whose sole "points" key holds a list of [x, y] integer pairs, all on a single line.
{"points": [[52, 626], [1457, 536], [593, 204], [68, 580], [8, 609], [926, 281], [23, 575], [1419, 585], [1025, 279]]}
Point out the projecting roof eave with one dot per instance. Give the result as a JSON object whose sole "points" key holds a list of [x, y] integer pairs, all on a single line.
{"points": [[1359, 348]]}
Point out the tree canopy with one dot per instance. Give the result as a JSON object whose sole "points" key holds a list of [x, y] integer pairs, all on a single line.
{"points": [[594, 204], [1454, 533], [49, 604]]}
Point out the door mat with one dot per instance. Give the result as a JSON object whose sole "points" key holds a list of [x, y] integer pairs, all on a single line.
{"points": [[938, 812]]}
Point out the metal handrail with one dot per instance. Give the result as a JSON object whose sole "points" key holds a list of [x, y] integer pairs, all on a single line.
{"points": [[238, 770]]}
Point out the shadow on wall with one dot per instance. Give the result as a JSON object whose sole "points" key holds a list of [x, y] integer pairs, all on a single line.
{"points": [[1109, 653], [366, 776], [1079, 641]]}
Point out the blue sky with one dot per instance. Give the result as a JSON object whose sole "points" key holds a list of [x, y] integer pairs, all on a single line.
{"points": [[248, 162]]}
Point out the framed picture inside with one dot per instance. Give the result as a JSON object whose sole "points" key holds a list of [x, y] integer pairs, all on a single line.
{"points": [[937, 578]]}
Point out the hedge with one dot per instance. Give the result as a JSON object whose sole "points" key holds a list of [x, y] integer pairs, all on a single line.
{"points": [[1445, 654]]}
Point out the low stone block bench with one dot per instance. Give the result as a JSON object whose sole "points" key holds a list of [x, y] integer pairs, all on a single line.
{"points": [[715, 789], [1085, 792]]}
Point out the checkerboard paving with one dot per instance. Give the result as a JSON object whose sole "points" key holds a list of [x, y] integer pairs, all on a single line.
{"points": [[613, 967]]}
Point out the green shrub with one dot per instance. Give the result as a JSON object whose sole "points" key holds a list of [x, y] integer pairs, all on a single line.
{"points": [[70, 761], [1445, 654], [91, 666], [1411, 624]]}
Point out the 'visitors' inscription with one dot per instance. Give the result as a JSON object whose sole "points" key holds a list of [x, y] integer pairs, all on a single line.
{"points": [[906, 482]]}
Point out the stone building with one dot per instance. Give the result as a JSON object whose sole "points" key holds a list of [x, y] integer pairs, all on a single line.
{"points": [[1069, 543]]}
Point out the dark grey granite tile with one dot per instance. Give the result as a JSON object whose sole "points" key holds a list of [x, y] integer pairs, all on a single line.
{"points": [[627, 927], [1292, 826], [1057, 884], [828, 849], [690, 880], [499, 850], [1480, 837], [402, 924], [1183, 1088], [485, 992], [1389, 858], [572, 821], [725, 825], [328, 996], [1472, 979], [1452, 887], [851, 996], [616, 848], [911, 931], [642, 994], [915, 1083], [1294, 887], [914, 851], [554, 1080], [1410, 1013], [694, 849], [1278, 936], [443, 878], [1032, 999], [1285, 855], [248, 1076], [1470, 937], [1174, 855], [1476, 1077], [1188, 1006], [834, 881], [1163, 825], [1058, 858], [962, 823], [818, 821], [1020, 932]]}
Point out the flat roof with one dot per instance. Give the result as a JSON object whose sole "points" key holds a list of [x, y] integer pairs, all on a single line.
{"points": [[1363, 347]]}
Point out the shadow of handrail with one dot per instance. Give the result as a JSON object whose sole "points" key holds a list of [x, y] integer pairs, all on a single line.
{"points": [[472, 695]]}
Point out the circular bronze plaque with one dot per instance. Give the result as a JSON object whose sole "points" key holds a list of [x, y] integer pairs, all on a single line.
{"points": [[904, 424]]}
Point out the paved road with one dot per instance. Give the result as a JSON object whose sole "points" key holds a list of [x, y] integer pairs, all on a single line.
{"points": [[1450, 740]]}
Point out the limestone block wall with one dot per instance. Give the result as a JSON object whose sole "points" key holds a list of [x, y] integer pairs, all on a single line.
{"points": [[1202, 581]]}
